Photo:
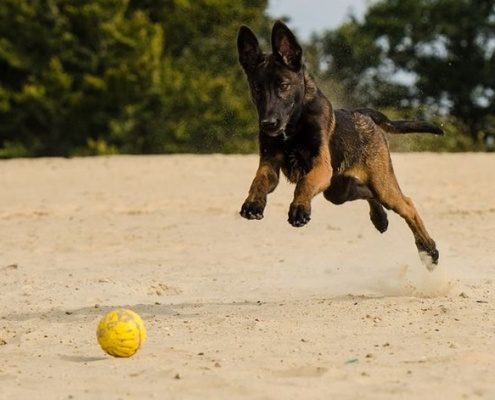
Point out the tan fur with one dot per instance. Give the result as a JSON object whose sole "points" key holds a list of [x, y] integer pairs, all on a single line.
{"points": [[266, 178], [316, 180]]}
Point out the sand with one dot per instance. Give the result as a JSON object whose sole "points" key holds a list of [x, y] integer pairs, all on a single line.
{"points": [[239, 309]]}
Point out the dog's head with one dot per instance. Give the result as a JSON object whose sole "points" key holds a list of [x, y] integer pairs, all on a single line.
{"points": [[276, 80]]}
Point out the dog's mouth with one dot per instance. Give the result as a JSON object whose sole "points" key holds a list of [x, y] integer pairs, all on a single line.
{"points": [[276, 133], [279, 131]]}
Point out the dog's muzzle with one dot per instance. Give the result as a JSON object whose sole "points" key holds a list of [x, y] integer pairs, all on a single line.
{"points": [[271, 126]]}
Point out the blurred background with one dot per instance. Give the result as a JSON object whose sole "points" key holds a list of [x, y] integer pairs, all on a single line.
{"points": [[161, 76]]}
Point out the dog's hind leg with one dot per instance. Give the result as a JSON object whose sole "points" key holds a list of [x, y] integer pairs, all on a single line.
{"points": [[378, 215], [389, 194], [347, 188]]}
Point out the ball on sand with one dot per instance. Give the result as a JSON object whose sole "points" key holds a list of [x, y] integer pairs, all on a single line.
{"points": [[121, 333]]}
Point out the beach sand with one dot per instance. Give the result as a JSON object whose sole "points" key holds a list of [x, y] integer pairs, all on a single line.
{"points": [[239, 309]]}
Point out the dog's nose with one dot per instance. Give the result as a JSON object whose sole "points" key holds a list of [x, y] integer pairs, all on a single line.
{"points": [[270, 124]]}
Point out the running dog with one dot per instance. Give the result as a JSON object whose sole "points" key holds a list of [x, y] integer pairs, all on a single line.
{"points": [[342, 153]]}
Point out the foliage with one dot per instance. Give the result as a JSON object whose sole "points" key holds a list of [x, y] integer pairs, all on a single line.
{"points": [[435, 56], [161, 76], [108, 76]]}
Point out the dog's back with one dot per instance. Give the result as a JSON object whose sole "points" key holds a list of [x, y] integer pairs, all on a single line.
{"points": [[355, 138]]}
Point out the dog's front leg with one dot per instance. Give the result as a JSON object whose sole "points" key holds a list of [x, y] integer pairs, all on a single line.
{"points": [[314, 182], [265, 182]]}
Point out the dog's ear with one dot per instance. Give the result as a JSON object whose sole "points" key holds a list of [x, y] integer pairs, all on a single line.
{"points": [[285, 46], [248, 48]]}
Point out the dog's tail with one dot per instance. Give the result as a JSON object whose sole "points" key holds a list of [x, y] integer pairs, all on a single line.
{"points": [[398, 127]]}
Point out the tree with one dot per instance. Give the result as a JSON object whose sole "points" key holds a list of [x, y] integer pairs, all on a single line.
{"points": [[428, 54], [207, 106], [107, 76], [69, 71]]}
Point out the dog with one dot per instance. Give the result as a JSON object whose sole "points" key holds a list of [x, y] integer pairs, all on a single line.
{"points": [[342, 153]]}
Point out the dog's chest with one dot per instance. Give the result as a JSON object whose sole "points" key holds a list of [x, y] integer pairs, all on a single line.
{"points": [[296, 164]]}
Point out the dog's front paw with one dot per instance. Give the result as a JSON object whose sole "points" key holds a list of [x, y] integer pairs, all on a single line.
{"points": [[299, 214], [252, 210]]}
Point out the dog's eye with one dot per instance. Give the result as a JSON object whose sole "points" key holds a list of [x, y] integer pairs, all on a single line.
{"points": [[284, 86]]}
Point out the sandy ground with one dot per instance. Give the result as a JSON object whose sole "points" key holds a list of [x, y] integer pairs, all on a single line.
{"points": [[240, 309]]}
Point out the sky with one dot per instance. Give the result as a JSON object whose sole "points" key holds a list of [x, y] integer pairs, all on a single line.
{"points": [[307, 16]]}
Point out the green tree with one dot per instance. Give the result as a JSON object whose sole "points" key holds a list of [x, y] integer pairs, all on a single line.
{"points": [[70, 71], [434, 55], [107, 76], [207, 103]]}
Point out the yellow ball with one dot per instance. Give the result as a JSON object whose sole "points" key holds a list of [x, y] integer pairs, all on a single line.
{"points": [[121, 333]]}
